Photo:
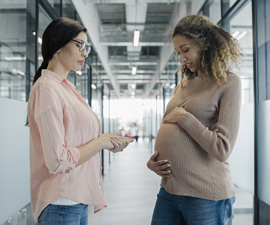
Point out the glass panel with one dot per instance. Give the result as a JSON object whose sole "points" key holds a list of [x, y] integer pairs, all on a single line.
{"points": [[68, 9], [82, 81], [55, 4], [232, 2], [13, 44], [263, 97], [22, 217], [44, 21], [227, 4], [215, 11], [243, 170]]}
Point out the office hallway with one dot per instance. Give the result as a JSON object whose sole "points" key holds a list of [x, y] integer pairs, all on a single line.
{"points": [[130, 188]]}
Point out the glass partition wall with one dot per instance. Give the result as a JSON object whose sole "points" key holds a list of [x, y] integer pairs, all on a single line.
{"points": [[22, 24], [16, 39]]}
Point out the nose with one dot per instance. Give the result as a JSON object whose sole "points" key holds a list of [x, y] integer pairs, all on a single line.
{"points": [[182, 58], [84, 52]]}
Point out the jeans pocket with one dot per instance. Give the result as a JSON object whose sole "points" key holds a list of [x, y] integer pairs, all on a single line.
{"points": [[228, 209], [43, 214], [82, 207]]}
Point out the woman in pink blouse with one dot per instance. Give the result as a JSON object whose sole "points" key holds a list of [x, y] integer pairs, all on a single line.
{"points": [[65, 133]]}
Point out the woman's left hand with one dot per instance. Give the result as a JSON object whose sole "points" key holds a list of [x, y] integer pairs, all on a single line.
{"points": [[175, 115], [120, 143]]}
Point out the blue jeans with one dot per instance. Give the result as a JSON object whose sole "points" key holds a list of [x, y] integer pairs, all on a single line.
{"points": [[184, 210], [64, 215]]}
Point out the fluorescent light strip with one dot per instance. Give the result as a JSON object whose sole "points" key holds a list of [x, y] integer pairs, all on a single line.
{"points": [[241, 35], [136, 38], [172, 86], [235, 33], [134, 70], [15, 58], [39, 40]]}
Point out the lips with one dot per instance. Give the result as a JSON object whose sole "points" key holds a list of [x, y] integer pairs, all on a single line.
{"points": [[188, 65], [81, 62]]}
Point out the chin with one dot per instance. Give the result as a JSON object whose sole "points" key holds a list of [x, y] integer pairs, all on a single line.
{"points": [[77, 68], [193, 70]]}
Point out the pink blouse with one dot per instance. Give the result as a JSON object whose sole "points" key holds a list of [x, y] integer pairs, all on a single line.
{"points": [[60, 120]]}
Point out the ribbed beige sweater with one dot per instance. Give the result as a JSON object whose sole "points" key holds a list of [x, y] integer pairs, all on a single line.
{"points": [[199, 145]]}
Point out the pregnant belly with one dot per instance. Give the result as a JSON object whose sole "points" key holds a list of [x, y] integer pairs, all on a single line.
{"points": [[173, 143]]}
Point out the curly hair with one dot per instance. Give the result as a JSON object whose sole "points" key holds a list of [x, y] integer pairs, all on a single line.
{"points": [[218, 48]]}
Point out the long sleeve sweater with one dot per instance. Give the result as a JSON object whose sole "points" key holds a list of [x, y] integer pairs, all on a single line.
{"points": [[198, 146]]}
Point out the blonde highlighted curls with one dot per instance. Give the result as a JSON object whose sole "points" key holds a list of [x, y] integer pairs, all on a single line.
{"points": [[219, 49]]}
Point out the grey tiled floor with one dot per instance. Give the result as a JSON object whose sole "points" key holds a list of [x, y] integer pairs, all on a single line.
{"points": [[130, 189]]}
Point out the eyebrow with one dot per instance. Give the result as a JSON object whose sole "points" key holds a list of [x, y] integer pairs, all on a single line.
{"points": [[89, 45], [81, 40], [181, 46]]}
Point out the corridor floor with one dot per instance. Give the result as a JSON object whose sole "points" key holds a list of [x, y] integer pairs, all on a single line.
{"points": [[130, 189]]}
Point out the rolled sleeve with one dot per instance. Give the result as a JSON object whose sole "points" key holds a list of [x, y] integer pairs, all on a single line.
{"points": [[48, 113]]}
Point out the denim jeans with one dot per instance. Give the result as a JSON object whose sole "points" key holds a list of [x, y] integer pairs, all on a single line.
{"points": [[184, 210], [64, 215]]}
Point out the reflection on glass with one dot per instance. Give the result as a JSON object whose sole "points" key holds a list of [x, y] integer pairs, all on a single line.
{"points": [[13, 33], [55, 5], [68, 9], [215, 11], [44, 21], [231, 2], [263, 97], [241, 29]]}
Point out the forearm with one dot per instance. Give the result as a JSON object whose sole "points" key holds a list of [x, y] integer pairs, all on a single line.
{"points": [[88, 150], [112, 141], [219, 142]]}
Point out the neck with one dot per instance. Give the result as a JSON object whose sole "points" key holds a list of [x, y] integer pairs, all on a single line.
{"points": [[199, 73], [56, 68]]}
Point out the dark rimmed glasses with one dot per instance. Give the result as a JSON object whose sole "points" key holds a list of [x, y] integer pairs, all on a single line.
{"points": [[83, 46]]}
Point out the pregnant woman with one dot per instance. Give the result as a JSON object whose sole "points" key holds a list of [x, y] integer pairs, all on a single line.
{"points": [[199, 128]]}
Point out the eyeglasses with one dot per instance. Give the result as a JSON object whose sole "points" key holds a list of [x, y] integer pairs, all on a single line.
{"points": [[83, 46]]}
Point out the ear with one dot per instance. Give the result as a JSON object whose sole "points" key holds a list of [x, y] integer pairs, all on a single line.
{"points": [[58, 51]]}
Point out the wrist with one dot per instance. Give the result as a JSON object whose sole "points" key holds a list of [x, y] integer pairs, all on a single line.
{"points": [[99, 143], [183, 113]]}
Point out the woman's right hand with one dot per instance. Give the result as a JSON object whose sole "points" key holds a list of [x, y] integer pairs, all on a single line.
{"points": [[114, 141], [120, 143], [160, 167]]}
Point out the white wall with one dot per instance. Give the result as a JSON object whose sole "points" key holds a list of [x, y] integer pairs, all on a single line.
{"points": [[14, 158]]}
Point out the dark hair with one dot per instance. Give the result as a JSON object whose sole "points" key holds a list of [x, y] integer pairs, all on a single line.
{"points": [[218, 48], [58, 33]]}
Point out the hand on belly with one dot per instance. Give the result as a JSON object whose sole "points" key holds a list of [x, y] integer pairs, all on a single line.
{"points": [[160, 167]]}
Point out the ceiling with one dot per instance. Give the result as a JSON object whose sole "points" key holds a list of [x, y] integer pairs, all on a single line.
{"points": [[111, 25]]}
